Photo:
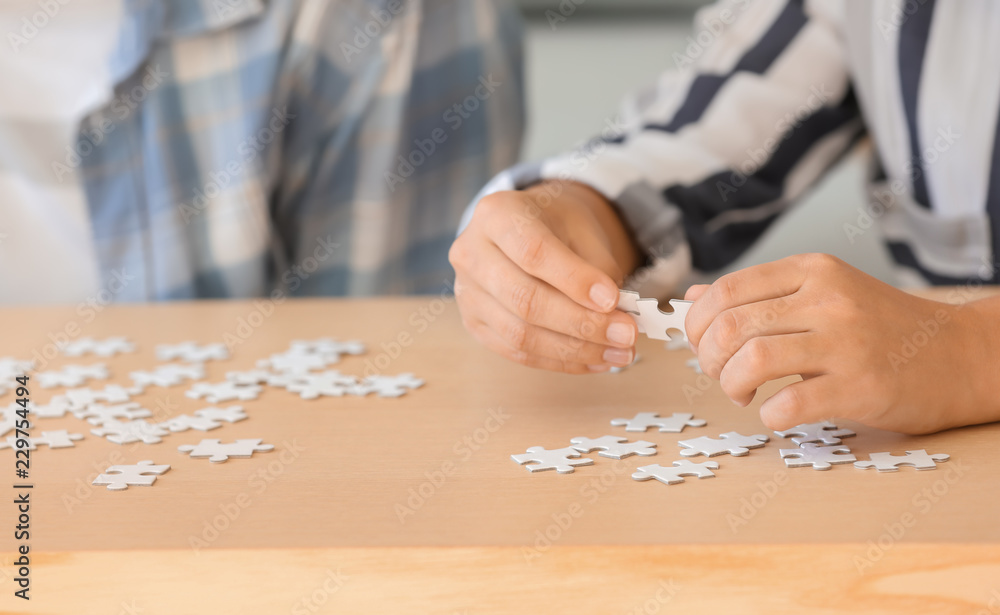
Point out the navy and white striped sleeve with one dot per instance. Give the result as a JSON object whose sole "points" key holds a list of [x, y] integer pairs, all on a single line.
{"points": [[759, 107]]}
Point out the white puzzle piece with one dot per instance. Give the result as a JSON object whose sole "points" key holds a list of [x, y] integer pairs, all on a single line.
{"points": [[111, 394], [674, 474], [168, 375], [252, 376], [293, 363], [330, 383], [103, 348], [613, 447], [648, 317], [823, 432], [57, 408], [887, 462], [119, 478], [127, 432], [562, 460], [387, 386], [98, 414], [192, 352], [732, 443], [72, 375], [53, 439], [330, 349], [9, 418], [218, 452], [819, 457], [205, 419], [223, 391], [671, 424]]}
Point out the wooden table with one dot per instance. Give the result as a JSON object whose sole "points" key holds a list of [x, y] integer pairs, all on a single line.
{"points": [[413, 505]]}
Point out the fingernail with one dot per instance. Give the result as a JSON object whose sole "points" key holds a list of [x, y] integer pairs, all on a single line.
{"points": [[618, 356], [598, 368], [604, 297], [620, 333]]}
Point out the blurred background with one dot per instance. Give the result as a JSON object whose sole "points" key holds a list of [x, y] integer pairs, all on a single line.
{"points": [[578, 70]]}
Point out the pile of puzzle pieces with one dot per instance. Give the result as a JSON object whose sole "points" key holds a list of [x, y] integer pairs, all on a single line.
{"points": [[111, 413]]}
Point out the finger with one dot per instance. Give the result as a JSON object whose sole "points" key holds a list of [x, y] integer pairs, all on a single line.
{"points": [[537, 303], [758, 283], [489, 338], [533, 247], [537, 341], [763, 359], [695, 292], [734, 327], [806, 401]]}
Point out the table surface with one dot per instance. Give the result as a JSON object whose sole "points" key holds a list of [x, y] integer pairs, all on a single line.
{"points": [[417, 499]]}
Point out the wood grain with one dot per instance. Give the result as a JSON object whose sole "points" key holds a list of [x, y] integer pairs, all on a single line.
{"points": [[419, 498]]}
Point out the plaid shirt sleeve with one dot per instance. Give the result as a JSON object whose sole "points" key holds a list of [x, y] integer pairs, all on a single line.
{"points": [[311, 147]]}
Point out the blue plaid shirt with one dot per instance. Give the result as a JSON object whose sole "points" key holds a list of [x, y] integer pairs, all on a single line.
{"points": [[319, 148]]}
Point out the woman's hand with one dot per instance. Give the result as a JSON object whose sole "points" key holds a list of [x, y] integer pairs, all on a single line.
{"points": [[537, 278], [865, 350]]}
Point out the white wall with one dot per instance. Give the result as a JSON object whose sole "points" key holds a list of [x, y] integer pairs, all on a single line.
{"points": [[577, 74]]}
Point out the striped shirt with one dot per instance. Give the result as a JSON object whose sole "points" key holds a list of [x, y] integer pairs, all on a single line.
{"points": [[769, 95], [174, 149]]}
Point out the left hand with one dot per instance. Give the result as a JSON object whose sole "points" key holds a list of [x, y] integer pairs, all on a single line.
{"points": [[866, 351]]}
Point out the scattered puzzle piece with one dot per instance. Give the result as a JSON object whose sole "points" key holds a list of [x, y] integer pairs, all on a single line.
{"points": [[733, 443], [53, 439], [97, 414], [562, 460], [192, 352], [387, 386], [293, 363], [823, 432], [330, 349], [613, 447], [168, 375], [55, 409], [72, 375], [10, 369], [223, 391], [220, 453], [103, 348], [887, 462], [127, 432], [672, 424], [673, 475], [819, 457], [205, 419], [253, 376], [112, 394], [9, 418], [142, 474], [330, 383]]}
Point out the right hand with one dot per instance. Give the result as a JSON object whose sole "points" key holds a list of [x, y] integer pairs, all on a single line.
{"points": [[537, 278]]}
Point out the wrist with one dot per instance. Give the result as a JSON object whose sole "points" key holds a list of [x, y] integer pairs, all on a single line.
{"points": [[982, 323]]}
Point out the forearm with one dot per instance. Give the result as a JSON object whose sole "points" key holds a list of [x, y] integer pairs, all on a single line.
{"points": [[982, 358]]}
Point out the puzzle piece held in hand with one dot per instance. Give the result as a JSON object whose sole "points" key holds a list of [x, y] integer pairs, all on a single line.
{"points": [[98, 414], [648, 317], [72, 375], [218, 452], [168, 375], [53, 439], [387, 386], [672, 424], [223, 391], [126, 432], [613, 447], [562, 460], [103, 348], [674, 474], [192, 352], [819, 457], [887, 462], [823, 432], [733, 443], [142, 474]]}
